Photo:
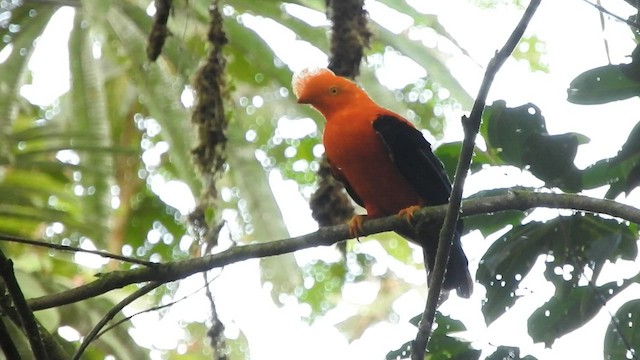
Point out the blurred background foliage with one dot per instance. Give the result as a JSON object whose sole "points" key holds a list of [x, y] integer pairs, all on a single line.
{"points": [[96, 168]]}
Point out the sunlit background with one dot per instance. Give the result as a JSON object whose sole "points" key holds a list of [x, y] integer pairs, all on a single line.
{"points": [[570, 39]]}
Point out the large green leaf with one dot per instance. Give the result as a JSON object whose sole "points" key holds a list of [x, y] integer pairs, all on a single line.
{"points": [[622, 172], [505, 264], [623, 335], [604, 84], [518, 136], [565, 312], [89, 113]]}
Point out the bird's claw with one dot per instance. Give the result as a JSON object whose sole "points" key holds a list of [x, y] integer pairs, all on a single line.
{"points": [[408, 212], [355, 226]]}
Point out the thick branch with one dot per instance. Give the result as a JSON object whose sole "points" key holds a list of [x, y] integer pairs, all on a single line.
{"points": [[172, 271], [471, 126], [7, 346]]}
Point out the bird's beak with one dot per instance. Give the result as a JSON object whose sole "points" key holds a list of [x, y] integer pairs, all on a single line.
{"points": [[303, 99]]}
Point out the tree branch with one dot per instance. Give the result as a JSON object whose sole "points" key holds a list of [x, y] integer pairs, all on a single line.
{"points": [[112, 313], [7, 346], [171, 271], [19, 240], [27, 320], [471, 126]]}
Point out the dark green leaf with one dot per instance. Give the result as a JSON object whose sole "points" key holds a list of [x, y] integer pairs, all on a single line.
{"points": [[623, 333], [565, 312], [441, 345], [508, 353], [519, 137], [604, 84], [622, 172], [506, 263]]}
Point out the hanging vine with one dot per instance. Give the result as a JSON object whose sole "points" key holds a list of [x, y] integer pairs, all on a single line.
{"points": [[159, 31], [209, 155]]}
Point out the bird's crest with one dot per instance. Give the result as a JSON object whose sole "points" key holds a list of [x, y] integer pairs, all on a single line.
{"points": [[301, 78]]}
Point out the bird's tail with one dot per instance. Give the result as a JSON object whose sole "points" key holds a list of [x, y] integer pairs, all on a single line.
{"points": [[457, 276]]}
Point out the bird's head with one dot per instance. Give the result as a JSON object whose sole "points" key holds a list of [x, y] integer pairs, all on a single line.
{"points": [[325, 91]]}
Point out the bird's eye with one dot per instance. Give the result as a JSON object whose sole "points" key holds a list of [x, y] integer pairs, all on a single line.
{"points": [[333, 90]]}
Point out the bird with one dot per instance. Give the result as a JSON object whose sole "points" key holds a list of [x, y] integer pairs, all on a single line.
{"points": [[384, 162]]}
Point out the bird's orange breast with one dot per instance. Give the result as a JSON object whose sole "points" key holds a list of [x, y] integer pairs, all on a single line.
{"points": [[353, 146]]}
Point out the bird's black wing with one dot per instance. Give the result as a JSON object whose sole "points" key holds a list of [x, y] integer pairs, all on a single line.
{"points": [[337, 174], [412, 154]]}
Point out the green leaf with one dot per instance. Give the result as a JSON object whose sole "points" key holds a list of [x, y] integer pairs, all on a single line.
{"points": [[441, 345], [531, 49], [508, 353], [623, 334], [149, 213], [621, 172], [158, 90], [31, 20], [449, 154], [89, 114], [323, 286], [604, 84], [565, 312], [519, 137], [506, 263]]}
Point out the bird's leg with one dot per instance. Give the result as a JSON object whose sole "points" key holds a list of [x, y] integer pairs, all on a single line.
{"points": [[355, 226], [408, 212]]}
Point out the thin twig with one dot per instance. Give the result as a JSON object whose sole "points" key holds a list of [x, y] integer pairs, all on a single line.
{"points": [[25, 314], [16, 239], [617, 17], [471, 126], [153, 308], [171, 271], [604, 36], [112, 313]]}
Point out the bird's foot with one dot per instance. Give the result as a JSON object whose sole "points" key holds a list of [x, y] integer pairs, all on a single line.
{"points": [[408, 212], [355, 226]]}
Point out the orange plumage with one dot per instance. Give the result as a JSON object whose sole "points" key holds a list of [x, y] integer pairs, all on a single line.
{"points": [[384, 162]]}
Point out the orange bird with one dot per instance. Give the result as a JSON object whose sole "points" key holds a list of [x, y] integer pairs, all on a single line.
{"points": [[383, 161]]}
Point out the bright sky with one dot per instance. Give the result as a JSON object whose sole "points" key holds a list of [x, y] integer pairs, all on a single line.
{"points": [[571, 30]]}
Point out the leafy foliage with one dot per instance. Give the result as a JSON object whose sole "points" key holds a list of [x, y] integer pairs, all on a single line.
{"points": [[442, 345]]}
